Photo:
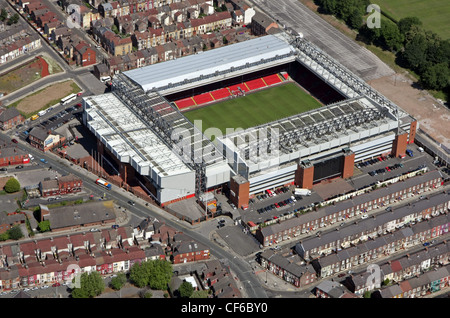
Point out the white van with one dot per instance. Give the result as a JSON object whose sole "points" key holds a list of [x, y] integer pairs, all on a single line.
{"points": [[104, 79], [420, 149], [42, 113], [30, 156]]}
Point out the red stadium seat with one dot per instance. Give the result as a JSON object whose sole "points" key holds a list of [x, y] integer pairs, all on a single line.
{"points": [[234, 88], [272, 79], [185, 102], [255, 84], [203, 98], [220, 93]]}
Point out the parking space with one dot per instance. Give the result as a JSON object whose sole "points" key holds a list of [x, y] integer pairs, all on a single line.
{"points": [[384, 168], [282, 200]]}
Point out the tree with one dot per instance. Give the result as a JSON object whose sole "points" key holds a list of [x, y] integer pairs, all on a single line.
{"points": [[390, 36], [415, 51], [14, 19], [119, 281], [405, 24], [153, 273], [3, 15], [15, 233], [355, 19], [436, 76], [91, 285], [12, 185], [44, 226], [185, 290]]}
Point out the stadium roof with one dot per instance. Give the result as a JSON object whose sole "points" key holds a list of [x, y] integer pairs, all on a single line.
{"points": [[221, 59], [129, 138]]}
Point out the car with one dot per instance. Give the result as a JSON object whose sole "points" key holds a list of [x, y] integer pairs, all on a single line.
{"points": [[318, 233], [79, 94], [45, 287], [131, 202], [426, 244], [115, 226], [388, 169], [277, 205], [3, 169], [364, 216], [19, 167], [14, 140], [51, 199], [56, 284], [231, 204], [43, 160], [94, 230]]}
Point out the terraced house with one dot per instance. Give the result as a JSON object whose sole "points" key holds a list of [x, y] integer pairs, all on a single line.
{"points": [[348, 209]]}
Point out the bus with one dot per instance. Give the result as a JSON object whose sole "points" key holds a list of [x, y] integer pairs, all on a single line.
{"points": [[68, 99], [103, 183]]}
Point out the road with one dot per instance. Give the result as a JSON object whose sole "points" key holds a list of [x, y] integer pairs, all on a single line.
{"points": [[240, 267]]}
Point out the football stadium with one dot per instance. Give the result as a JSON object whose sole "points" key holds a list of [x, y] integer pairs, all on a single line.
{"points": [[270, 111]]}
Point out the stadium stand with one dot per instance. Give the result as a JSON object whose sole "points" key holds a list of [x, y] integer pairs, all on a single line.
{"points": [[255, 84], [220, 93], [185, 102], [203, 98], [272, 79]]}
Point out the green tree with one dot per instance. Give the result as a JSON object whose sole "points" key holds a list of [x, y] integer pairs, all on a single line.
{"points": [[153, 273], [15, 233], [119, 281], [199, 294], [3, 15], [44, 226], [436, 77], [12, 185], [414, 52], [185, 290], [391, 37], [405, 24], [91, 285]]}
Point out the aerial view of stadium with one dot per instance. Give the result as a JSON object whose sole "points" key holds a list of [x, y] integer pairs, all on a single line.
{"points": [[224, 149]]}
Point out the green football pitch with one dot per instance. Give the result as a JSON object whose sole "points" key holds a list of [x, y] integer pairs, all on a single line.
{"points": [[254, 109]]}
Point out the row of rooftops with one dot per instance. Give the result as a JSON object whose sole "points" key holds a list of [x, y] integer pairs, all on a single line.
{"points": [[356, 201], [400, 235]]}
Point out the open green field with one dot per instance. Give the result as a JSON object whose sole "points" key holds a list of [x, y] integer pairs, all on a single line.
{"points": [[255, 108], [434, 14]]}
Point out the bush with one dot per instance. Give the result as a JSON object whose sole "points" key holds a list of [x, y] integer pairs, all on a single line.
{"points": [[12, 185]]}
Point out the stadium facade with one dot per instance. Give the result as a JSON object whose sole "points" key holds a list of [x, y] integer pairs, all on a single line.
{"points": [[141, 130]]}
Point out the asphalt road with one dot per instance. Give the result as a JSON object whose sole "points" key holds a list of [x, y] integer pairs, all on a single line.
{"points": [[240, 267]]}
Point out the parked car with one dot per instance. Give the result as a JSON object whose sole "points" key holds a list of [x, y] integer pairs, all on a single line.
{"points": [[19, 167], [115, 226], [14, 141], [44, 160]]}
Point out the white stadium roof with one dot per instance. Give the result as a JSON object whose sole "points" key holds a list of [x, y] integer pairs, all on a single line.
{"points": [[208, 62], [125, 135]]}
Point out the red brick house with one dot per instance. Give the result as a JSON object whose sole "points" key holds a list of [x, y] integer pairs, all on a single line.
{"points": [[12, 156], [9, 220], [84, 55], [185, 249], [9, 118], [64, 185]]}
